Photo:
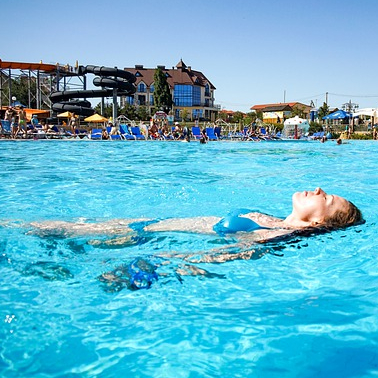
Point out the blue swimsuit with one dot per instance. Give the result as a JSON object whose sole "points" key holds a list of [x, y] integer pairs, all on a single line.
{"points": [[230, 224], [233, 223]]}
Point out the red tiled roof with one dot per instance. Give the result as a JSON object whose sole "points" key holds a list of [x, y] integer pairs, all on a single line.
{"points": [[262, 106], [179, 75]]}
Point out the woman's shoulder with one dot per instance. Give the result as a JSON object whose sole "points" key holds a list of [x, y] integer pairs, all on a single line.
{"points": [[264, 219]]}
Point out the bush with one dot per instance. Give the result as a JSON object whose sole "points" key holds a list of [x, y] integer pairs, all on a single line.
{"points": [[315, 127], [362, 136]]}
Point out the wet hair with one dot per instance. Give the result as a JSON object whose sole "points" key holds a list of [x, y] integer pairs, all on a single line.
{"points": [[339, 220], [342, 219]]}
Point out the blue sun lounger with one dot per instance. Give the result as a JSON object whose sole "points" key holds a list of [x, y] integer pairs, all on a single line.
{"points": [[136, 132], [217, 132], [96, 134], [210, 133], [115, 137], [5, 128], [196, 132]]}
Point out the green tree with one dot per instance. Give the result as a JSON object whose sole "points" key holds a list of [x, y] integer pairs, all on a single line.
{"points": [[238, 117], [323, 111], [250, 118], [107, 111], [129, 111], [184, 114], [20, 90], [223, 116], [298, 111], [162, 93], [142, 113]]}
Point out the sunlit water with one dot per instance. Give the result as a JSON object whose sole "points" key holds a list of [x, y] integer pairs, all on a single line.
{"points": [[311, 310]]}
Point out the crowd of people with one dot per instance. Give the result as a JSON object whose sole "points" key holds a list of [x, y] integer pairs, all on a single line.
{"points": [[159, 130], [15, 125], [155, 131], [17, 120]]}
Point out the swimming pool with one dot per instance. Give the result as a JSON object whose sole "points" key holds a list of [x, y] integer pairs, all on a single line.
{"points": [[310, 310]]}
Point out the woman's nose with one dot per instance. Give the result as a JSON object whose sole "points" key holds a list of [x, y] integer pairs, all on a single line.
{"points": [[318, 191]]}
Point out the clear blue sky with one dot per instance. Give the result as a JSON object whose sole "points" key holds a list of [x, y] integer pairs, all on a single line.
{"points": [[252, 51]]}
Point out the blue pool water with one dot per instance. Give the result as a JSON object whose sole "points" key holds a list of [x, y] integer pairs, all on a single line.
{"points": [[311, 310]]}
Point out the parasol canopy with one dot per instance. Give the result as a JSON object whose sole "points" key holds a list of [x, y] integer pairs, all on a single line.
{"points": [[296, 127], [338, 114], [96, 118], [64, 115], [296, 121]]}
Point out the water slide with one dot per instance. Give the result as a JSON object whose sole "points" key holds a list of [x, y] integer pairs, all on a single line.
{"points": [[107, 78]]}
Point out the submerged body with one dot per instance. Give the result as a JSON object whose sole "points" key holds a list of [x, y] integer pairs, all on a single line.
{"points": [[242, 231], [312, 210]]}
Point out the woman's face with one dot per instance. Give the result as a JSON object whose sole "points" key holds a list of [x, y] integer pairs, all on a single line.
{"points": [[317, 206]]}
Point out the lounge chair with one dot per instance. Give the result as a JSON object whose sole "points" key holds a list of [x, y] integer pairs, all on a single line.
{"points": [[196, 132], [96, 134], [165, 137], [217, 132], [237, 135], [125, 133], [210, 133], [38, 132], [278, 135], [136, 132], [5, 128], [264, 135], [53, 132], [115, 137]]}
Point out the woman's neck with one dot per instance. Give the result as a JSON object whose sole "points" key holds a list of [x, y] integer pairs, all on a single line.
{"points": [[294, 222]]}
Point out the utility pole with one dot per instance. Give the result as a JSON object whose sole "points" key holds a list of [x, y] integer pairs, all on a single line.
{"points": [[326, 101]]}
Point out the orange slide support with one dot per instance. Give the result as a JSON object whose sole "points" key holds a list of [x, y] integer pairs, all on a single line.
{"points": [[29, 66]]}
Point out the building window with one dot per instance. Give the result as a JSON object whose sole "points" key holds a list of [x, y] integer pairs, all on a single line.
{"points": [[197, 114], [141, 88], [141, 100], [186, 95], [151, 100], [130, 100], [207, 90], [152, 88]]}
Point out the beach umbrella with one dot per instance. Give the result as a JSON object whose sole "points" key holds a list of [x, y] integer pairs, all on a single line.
{"points": [[64, 115], [160, 115], [295, 121], [96, 118], [296, 127], [338, 114]]}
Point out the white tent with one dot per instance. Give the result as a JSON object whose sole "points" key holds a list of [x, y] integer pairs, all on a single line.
{"points": [[372, 112], [295, 127]]}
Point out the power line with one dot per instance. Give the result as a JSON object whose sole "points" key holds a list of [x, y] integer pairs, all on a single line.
{"points": [[312, 97], [349, 95]]}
